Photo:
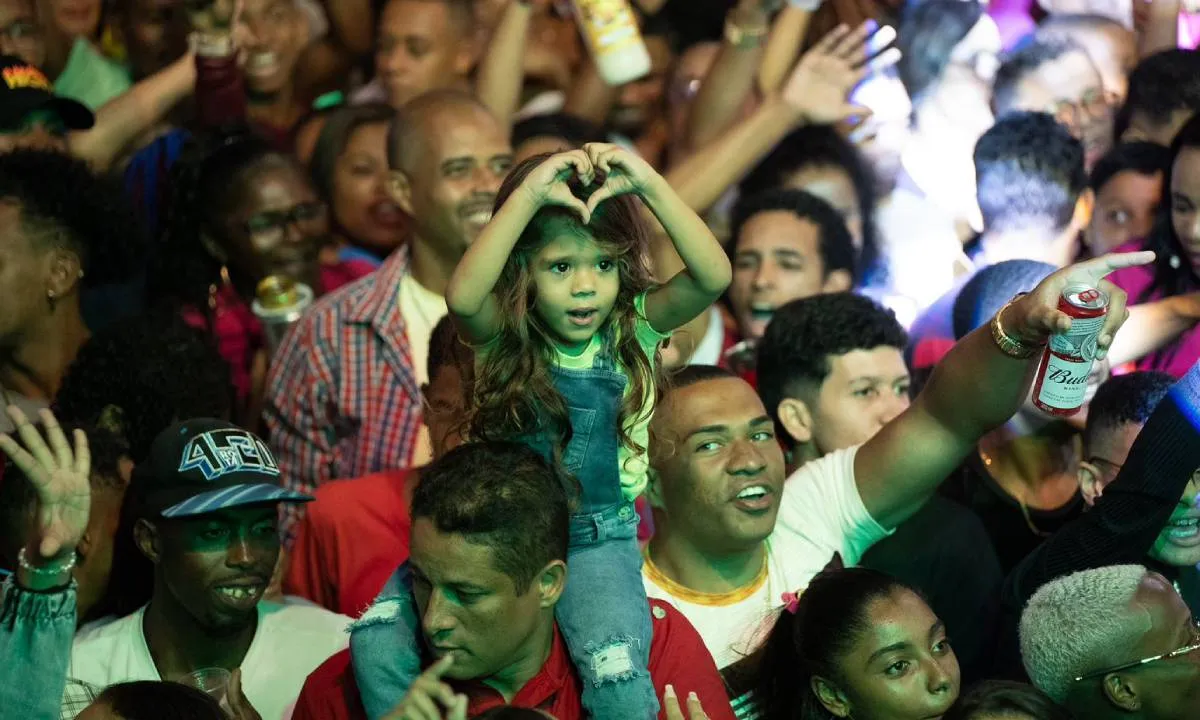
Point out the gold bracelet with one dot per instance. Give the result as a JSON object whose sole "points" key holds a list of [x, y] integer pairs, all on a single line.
{"points": [[1008, 344]]}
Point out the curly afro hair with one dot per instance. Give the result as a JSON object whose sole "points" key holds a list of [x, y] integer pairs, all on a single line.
{"points": [[137, 377], [61, 198]]}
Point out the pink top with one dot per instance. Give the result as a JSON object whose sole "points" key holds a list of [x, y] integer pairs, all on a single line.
{"points": [[238, 332], [1178, 357]]}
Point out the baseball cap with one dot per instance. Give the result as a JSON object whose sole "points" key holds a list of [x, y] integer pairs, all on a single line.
{"points": [[26, 89], [204, 465]]}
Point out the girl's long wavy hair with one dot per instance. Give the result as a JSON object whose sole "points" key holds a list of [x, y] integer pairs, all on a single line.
{"points": [[514, 391], [1173, 274]]}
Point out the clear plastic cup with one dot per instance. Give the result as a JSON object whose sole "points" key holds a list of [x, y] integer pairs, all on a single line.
{"points": [[214, 682]]}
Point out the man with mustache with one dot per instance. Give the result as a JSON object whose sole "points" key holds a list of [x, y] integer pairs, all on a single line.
{"points": [[343, 397]]}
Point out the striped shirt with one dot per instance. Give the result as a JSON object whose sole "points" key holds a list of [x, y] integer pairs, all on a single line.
{"points": [[342, 398]]}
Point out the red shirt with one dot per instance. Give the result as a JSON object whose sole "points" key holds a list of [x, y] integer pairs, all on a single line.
{"points": [[238, 331], [677, 657], [350, 541]]}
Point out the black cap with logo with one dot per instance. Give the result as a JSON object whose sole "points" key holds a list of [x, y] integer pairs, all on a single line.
{"points": [[25, 89], [204, 465]]}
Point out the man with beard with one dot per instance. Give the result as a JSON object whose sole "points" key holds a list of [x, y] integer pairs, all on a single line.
{"points": [[343, 397], [202, 514]]}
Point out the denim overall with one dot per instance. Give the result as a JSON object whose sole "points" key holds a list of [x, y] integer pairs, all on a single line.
{"points": [[603, 614]]}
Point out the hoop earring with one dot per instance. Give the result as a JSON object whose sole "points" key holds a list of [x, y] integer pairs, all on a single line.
{"points": [[214, 289]]}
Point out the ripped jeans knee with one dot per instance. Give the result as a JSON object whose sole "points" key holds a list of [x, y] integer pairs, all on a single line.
{"points": [[614, 661]]}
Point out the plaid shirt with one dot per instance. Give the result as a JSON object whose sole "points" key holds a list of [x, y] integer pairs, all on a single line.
{"points": [[342, 399], [77, 695]]}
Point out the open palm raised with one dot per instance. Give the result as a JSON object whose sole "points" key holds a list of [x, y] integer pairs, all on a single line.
{"points": [[59, 474], [820, 85]]}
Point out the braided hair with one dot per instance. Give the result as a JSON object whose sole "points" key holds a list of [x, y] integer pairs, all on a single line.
{"points": [[207, 182]]}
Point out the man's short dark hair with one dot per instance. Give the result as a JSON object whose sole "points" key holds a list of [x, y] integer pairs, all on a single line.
{"points": [[1030, 54], [819, 147], [1029, 172], [1160, 85], [64, 203], [139, 376], [462, 11], [991, 288], [575, 130], [1143, 158], [795, 351], [1005, 699], [834, 242], [1125, 399], [502, 495], [929, 31], [694, 374]]}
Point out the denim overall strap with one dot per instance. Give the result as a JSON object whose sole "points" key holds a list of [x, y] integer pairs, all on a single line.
{"points": [[593, 398]]}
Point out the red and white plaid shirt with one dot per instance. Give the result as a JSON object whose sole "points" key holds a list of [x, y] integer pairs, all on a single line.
{"points": [[342, 398]]}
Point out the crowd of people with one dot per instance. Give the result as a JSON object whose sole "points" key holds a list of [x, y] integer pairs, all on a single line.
{"points": [[377, 359]]}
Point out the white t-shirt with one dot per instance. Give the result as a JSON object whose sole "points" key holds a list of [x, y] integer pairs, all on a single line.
{"points": [[820, 513], [291, 641]]}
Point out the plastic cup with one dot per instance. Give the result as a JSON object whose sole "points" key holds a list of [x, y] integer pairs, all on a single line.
{"points": [[214, 682]]}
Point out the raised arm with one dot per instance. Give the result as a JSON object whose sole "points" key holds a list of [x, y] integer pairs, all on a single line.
{"points": [[783, 45], [731, 79], [501, 72], [706, 271], [816, 92], [1161, 30], [1154, 325], [37, 615], [469, 296], [1135, 507], [976, 388], [121, 120]]}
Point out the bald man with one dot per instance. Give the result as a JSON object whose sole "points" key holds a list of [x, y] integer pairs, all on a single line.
{"points": [[343, 393]]}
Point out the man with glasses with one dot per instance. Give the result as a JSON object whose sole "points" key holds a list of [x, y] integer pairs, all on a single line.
{"points": [[1114, 642], [1056, 76], [1091, 614]]}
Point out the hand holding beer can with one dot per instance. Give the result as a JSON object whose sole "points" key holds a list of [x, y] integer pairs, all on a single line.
{"points": [[1061, 384], [1075, 314]]}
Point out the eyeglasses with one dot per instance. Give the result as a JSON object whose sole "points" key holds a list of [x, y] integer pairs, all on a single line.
{"points": [[271, 227], [1094, 105], [1192, 646]]}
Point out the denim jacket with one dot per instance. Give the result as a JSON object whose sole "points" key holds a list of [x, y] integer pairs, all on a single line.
{"points": [[36, 632]]}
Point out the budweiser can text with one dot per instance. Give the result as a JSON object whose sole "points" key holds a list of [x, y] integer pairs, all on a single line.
{"points": [[1061, 384]]}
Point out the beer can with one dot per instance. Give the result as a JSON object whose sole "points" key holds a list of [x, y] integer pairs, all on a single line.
{"points": [[279, 304], [1062, 377]]}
